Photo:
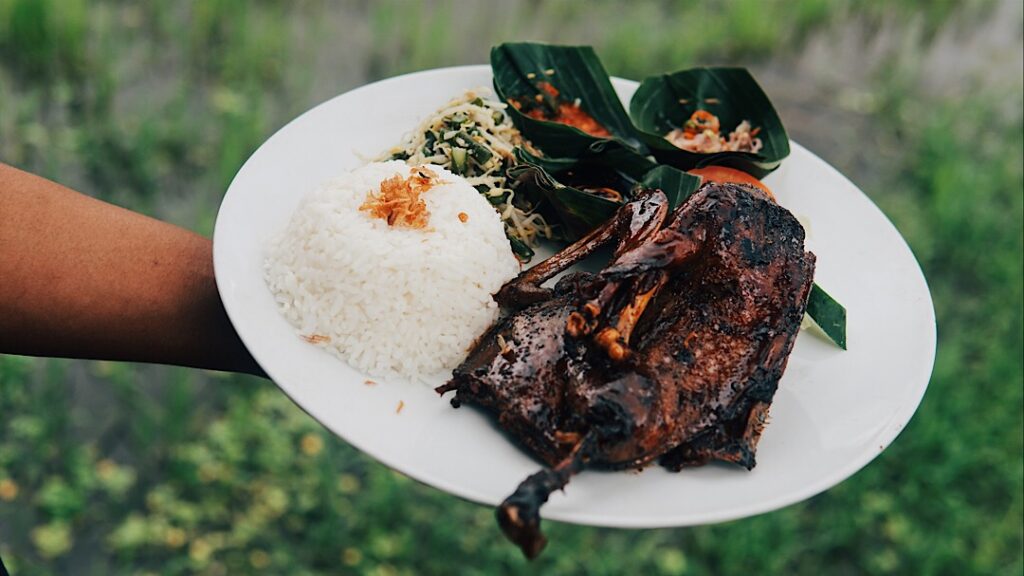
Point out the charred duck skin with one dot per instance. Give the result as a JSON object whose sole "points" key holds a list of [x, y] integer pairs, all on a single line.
{"points": [[672, 353]]}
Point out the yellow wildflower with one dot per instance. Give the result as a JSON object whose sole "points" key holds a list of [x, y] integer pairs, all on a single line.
{"points": [[106, 468], [259, 559], [312, 444], [174, 538], [351, 556], [200, 551], [8, 490]]}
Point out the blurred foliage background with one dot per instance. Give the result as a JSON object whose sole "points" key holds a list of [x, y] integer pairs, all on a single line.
{"points": [[110, 468]]}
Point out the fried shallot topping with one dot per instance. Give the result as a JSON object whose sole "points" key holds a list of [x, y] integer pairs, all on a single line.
{"points": [[399, 200]]}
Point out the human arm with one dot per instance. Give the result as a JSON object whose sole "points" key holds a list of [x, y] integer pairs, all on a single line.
{"points": [[81, 278]]}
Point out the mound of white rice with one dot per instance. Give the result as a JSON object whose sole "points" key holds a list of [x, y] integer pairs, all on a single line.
{"points": [[390, 300]]}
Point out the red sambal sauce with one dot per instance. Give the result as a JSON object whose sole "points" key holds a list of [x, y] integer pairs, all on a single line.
{"points": [[568, 113]]}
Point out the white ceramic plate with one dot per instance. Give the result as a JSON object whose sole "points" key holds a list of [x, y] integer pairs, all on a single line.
{"points": [[834, 411]]}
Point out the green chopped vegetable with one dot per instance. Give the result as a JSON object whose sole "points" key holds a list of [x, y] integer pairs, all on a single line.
{"points": [[480, 153], [458, 160], [521, 249], [828, 314]]}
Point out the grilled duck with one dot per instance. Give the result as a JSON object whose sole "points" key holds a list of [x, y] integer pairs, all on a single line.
{"points": [[672, 353]]}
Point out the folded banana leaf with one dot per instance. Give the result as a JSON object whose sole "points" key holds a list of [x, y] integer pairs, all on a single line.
{"points": [[665, 102], [676, 184], [579, 194], [543, 79]]}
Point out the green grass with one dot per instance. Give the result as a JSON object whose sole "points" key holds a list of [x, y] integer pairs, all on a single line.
{"points": [[110, 468]]}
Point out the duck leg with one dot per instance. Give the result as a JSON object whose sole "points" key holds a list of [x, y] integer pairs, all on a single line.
{"points": [[519, 514]]}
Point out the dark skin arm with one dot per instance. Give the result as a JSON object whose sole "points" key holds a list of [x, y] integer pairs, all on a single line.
{"points": [[80, 278]]}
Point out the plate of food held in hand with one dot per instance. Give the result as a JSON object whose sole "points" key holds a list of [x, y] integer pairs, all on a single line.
{"points": [[573, 296]]}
